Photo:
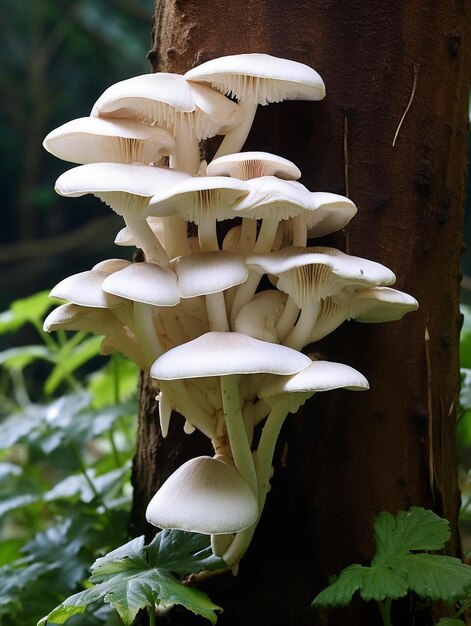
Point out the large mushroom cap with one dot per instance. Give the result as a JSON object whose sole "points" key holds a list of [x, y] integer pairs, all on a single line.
{"points": [[205, 495], [225, 353], [169, 101], [94, 140], [97, 178], [308, 274], [260, 78], [85, 289]]}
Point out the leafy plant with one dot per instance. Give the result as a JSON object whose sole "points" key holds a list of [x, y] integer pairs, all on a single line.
{"points": [[136, 576], [401, 564], [65, 451]]}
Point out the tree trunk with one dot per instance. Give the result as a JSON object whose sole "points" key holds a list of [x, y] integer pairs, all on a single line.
{"points": [[346, 456]]}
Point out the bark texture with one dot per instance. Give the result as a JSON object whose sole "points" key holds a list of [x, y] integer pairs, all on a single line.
{"points": [[346, 456]]}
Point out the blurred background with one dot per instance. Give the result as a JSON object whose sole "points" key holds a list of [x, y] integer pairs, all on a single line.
{"points": [[57, 57]]}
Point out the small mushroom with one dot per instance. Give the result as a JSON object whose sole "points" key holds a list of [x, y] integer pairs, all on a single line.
{"points": [[205, 495]]}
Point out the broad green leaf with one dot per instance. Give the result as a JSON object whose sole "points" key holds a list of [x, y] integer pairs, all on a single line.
{"points": [[379, 583], [416, 529], [84, 352], [341, 591], [182, 552], [436, 577], [126, 580], [12, 503], [398, 568], [449, 621]]}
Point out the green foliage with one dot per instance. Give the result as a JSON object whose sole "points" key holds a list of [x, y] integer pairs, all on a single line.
{"points": [[136, 576], [401, 564], [65, 454]]}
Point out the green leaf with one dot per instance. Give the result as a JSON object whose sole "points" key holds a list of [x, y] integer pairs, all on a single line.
{"points": [[341, 591], [135, 576], [436, 577], [397, 567], [25, 310], [416, 529], [449, 621]]}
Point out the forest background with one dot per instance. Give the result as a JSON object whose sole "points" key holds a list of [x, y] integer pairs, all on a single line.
{"points": [[57, 57]]}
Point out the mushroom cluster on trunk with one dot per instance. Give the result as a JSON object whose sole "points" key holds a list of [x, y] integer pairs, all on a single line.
{"points": [[224, 353]]}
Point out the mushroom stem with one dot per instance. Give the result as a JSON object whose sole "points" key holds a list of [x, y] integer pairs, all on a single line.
{"points": [[235, 139], [187, 151], [263, 463], [299, 335], [220, 543], [144, 329], [287, 319], [146, 240], [183, 402], [217, 315], [299, 231], [245, 292], [207, 235], [248, 235], [266, 235], [235, 425], [175, 236]]}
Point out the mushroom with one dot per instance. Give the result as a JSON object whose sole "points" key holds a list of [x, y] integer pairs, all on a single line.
{"points": [[189, 112], [209, 274], [309, 275], [127, 190], [328, 213], [376, 304], [256, 79], [227, 354], [94, 140], [148, 286], [205, 495], [246, 165], [202, 200], [286, 394], [258, 317]]}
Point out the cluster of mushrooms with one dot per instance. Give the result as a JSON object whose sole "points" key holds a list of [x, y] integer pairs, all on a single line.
{"points": [[223, 353]]}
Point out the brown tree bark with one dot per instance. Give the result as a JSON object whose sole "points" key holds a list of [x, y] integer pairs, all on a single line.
{"points": [[346, 457]]}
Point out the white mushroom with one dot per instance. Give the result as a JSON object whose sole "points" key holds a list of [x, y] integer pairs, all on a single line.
{"points": [[127, 189], [205, 495], [256, 79], [94, 140]]}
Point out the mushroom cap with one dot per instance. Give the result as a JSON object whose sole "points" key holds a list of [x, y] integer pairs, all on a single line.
{"points": [[144, 282], [205, 495], [198, 198], [381, 304], [260, 78], [273, 198], [319, 376], [258, 317], [135, 179], [93, 140], [331, 213], [111, 265], [225, 353], [75, 317], [203, 273], [246, 165], [169, 101], [85, 289], [308, 274]]}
